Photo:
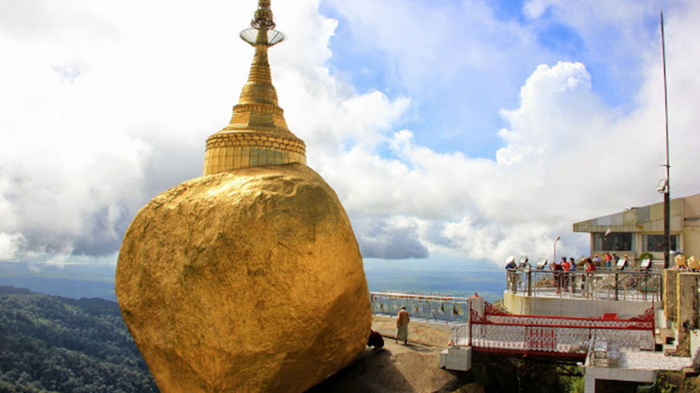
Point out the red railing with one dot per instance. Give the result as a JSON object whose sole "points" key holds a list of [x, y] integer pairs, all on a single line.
{"points": [[499, 331]]}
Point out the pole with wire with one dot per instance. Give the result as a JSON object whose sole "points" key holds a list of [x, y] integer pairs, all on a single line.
{"points": [[667, 188]]}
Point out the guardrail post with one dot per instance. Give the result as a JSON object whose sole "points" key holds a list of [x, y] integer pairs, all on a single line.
{"points": [[617, 282], [525, 340], [529, 283], [470, 322]]}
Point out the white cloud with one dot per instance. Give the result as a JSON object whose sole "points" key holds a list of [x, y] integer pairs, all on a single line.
{"points": [[10, 245], [101, 115], [535, 8], [567, 157]]}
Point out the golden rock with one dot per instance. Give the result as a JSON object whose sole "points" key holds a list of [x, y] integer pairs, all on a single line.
{"points": [[248, 279], [244, 281]]}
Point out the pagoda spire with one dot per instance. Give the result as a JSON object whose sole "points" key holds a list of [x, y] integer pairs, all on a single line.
{"points": [[257, 133]]}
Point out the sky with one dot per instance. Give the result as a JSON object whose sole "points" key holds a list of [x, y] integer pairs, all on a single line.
{"points": [[456, 133]]}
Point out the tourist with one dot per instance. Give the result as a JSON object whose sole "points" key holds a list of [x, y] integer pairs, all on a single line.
{"points": [[510, 273], [510, 262], [608, 260], [402, 320], [615, 259], [596, 260], [566, 278], [375, 340], [557, 268], [590, 268], [572, 274]]}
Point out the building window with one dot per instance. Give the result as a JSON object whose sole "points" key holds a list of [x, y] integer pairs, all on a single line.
{"points": [[655, 243], [615, 241]]}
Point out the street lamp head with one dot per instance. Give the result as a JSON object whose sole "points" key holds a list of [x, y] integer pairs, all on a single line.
{"points": [[663, 185]]}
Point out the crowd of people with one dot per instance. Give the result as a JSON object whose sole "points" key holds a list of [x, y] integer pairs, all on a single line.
{"points": [[563, 269]]}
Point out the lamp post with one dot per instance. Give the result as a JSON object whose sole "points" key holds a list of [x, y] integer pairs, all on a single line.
{"points": [[555, 249]]}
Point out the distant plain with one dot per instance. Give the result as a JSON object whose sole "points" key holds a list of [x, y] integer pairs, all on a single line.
{"points": [[78, 281]]}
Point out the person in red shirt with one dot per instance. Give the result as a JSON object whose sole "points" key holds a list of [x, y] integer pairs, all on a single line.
{"points": [[590, 267], [608, 260], [566, 278]]}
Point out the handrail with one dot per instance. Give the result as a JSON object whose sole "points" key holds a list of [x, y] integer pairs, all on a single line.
{"points": [[427, 307], [599, 285], [560, 326], [417, 296], [537, 334]]}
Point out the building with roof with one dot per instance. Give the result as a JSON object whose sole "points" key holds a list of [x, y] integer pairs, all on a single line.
{"points": [[639, 230]]}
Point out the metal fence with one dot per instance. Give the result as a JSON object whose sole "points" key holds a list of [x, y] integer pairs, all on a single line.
{"points": [[435, 308], [598, 285], [498, 331]]}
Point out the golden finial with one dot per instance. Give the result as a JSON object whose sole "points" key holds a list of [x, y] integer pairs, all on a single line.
{"points": [[262, 31], [257, 134], [263, 16]]}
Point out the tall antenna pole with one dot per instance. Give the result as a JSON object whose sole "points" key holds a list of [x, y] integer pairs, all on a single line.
{"points": [[667, 190]]}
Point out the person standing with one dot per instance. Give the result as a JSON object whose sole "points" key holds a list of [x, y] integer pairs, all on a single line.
{"points": [[590, 268], [557, 269], [566, 278], [608, 260], [402, 320], [572, 274], [596, 260], [510, 273]]}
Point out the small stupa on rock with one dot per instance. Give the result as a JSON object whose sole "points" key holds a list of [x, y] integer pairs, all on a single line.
{"points": [[257, 134], [249, 278]]}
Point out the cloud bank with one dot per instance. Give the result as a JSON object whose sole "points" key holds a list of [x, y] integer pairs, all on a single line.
{"points": [[105, 105]]}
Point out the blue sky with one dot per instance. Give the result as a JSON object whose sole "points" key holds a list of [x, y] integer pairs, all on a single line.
{"points": [[457, 132], [467, 114]]}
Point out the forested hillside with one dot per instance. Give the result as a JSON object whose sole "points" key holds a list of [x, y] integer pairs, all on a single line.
{"points": [[54, 344]]}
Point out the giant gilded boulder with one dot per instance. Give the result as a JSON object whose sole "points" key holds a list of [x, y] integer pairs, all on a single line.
{"points": [[244, 281], [249, 278]]}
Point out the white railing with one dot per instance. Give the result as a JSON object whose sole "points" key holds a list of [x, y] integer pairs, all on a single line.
{"points": [[639, 285]]}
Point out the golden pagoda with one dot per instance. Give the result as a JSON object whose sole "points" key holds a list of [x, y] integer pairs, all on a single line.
{"points": [[257, 133], [252, 249]]}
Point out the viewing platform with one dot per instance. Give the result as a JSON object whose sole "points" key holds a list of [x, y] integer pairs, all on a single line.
{"points": [[625, 293], [616, 324]]}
